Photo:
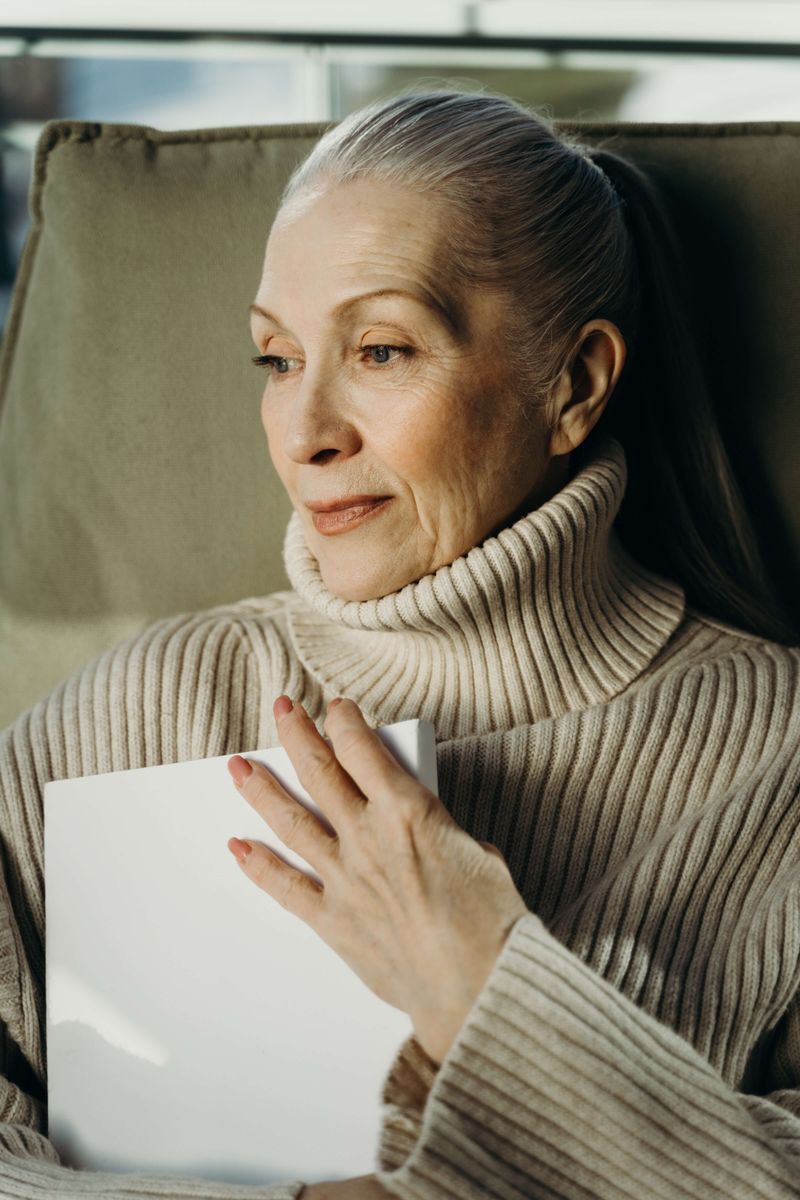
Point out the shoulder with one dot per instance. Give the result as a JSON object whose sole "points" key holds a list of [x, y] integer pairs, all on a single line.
{"points": [[705, 642], [183, 686], [259, 609], [733, 676], [732, 633], [235, 621], [213, 649]]}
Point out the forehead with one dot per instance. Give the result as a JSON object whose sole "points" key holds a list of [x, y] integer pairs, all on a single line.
{"points": [[357, 227]]}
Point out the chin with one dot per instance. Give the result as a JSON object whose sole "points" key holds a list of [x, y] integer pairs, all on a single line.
{"points": [[343, 585], [353, 591]]}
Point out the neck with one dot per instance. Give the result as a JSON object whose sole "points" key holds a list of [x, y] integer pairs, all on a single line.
{"points": [[547, 615], [555, 478]]}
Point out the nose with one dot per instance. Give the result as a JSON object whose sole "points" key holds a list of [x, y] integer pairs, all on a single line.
{"points": [[318, 425]]}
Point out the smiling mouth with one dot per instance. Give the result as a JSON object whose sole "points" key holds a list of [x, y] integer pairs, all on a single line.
{"points": [[343, 519]]}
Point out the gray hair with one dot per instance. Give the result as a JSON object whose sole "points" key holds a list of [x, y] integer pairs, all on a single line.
{"points": [[511, 185], [569, 233]]}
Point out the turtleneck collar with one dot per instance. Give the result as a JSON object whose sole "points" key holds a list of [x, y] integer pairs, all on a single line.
{"points": [[549, 615]]}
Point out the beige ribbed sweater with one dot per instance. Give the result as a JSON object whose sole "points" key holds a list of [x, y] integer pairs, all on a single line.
{"points": [[637, 763]]}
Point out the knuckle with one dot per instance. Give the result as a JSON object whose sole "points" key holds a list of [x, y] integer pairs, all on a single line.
{"points": [[405, 815], [411, 803], [318, 768], [262, 791], [286, 891], [350, 742], [295, 821], [260, 871]]}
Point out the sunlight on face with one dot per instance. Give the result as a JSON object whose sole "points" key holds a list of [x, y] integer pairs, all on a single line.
{"points": [[403, 395]]}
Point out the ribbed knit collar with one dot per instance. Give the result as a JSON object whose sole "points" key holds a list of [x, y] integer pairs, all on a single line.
{"points": [[548, 615]]}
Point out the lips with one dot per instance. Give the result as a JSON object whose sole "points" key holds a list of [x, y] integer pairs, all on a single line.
{"points": [[345, 502], [346, 514]]}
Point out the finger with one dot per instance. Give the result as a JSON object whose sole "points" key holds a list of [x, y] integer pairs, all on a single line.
{"points": [[293, 889], [294, 824], [316, 765], [366, 758], [492, 849]]}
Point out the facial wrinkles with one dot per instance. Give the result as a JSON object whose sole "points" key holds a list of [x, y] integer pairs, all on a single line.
{"points": [[424, 398], [438, 433], [363, 250], [434, 470]]}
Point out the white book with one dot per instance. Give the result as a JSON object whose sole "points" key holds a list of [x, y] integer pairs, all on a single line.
{"points": [[194, 1026]]}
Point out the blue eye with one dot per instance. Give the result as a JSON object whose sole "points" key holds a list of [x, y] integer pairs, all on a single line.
{"points": [[403, 351], [270, 361], [276, 364]]}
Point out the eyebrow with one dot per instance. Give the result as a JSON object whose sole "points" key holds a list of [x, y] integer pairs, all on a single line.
{"points": [[443, 312]]}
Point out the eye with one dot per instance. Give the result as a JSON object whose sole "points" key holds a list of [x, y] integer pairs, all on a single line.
{"points": [[274, 363], [403, 351]]}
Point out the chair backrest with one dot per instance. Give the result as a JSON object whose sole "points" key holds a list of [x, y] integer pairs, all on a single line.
{"points": [[135, 480]]}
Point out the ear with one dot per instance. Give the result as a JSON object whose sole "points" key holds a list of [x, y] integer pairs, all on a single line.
{"points": [[585, 385]]}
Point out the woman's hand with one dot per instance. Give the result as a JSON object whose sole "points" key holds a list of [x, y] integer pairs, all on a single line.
{"points": [[413, 904]]}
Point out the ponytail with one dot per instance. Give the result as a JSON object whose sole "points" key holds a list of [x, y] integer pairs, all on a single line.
{"points": [[572, 233], [683, 514]]}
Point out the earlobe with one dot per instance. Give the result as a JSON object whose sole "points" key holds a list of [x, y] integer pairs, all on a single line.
{"points": [[576, 422], [560, 401], [569, 411], [560, 444], [586, 385]]}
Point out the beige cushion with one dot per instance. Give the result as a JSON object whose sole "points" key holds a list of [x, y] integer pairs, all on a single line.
{"points": [[135, 480]]}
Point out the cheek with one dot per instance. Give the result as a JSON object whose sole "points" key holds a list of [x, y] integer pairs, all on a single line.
{"points": [[268, 425], [274, 431], [273, 422], [449, 431], [471, 459], [412, 441]]}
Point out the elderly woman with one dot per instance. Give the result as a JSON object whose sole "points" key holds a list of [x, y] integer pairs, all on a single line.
{"points": [[513, 516]]}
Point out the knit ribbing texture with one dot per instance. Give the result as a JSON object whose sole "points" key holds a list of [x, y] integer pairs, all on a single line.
{"points": [[638, 765]]}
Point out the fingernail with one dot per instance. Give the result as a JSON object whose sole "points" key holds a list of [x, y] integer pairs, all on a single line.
{"points": [[282, 706], [338, 700], [239, 849], [240, 769]]}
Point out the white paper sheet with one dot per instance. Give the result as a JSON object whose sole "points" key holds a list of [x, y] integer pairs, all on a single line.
{"points": [[194, 1026]]}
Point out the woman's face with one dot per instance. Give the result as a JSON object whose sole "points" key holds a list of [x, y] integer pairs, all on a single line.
{"points": [[403, 395]]}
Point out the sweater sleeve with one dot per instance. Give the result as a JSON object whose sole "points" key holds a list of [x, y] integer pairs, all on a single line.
{"points": [[558, 1085], [181, 689]]}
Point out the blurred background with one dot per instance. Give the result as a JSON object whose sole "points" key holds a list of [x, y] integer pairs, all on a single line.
{"points": [[175, 65]]}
